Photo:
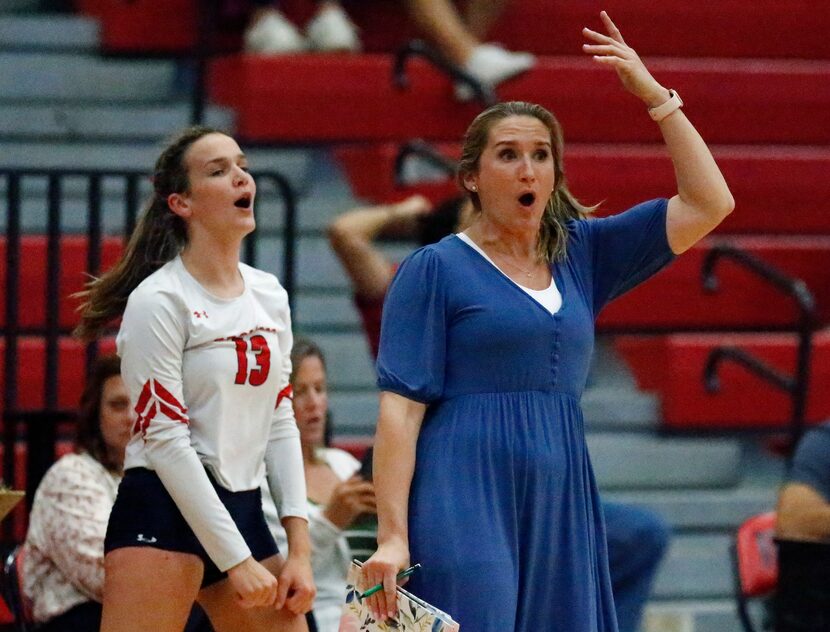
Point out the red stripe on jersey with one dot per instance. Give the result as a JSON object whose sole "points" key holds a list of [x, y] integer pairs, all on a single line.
{"points": [[168, 398], [146, 392], [143, 421], [286, 393], [173, 414]]}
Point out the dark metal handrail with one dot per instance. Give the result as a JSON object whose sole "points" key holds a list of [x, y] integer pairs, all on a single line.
{"points": [[797, 386], [421, 149], [50, 330], [418, 48]]}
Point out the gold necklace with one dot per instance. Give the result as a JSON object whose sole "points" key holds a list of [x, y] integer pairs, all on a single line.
{"points": [[529, 275]]}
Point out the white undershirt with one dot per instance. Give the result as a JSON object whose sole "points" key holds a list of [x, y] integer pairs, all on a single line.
{"points": [[549, 298]]}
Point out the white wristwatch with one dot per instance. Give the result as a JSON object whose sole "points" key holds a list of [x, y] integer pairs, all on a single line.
{"points": [[663, 110]]}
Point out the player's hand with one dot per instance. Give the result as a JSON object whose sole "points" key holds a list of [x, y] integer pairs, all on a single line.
{"points": [[296, 590], [254, 584]]}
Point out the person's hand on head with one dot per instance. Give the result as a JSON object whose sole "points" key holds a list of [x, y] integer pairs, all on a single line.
{"points": [[349, 500], [254, 584], [611, 50]]}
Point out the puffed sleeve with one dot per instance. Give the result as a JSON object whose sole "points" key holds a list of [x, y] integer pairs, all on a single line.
{"points": [[626, 249], [414, 329]]}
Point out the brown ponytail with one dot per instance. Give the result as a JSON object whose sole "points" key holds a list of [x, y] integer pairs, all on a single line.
{"points": [[562, 206], [158, 237]]}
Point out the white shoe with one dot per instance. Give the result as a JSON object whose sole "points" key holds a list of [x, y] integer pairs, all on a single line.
{"points": [[274, 35], [331, 30], [491, 64]]}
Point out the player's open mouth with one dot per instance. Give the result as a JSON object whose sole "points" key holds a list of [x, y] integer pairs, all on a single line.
{"points": [[244, 201]]}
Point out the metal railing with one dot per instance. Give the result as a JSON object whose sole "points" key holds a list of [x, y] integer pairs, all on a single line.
{"points": [[797, 385], [41, 444], [418, 48]]}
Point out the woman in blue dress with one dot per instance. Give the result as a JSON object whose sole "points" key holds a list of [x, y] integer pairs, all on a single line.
{"points": [[481, 470]]}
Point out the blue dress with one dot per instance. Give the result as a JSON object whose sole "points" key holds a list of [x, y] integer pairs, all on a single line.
{"points": [[504, 514]]}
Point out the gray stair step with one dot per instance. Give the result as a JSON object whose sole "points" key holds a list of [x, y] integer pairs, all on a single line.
{"points": [[95, 122], [292, 163], [13, 6], [48, 32], [633, 461], [695, 567], [692, 615], [695, 509], [616, 408], [323, 312], [348, 361], [319, 268], [354, 414], [64, 77]]}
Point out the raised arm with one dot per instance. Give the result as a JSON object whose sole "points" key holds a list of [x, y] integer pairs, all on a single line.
{"points": [[399, 423], [703, 198], [352, 236]]}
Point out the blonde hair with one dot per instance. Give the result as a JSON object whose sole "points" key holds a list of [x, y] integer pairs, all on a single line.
{"points": [[562, 205]]}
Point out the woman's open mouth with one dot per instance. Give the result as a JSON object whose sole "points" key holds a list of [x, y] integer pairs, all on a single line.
{"points": [[244, 201], [527, 199]]}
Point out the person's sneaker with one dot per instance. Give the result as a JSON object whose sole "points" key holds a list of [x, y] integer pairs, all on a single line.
{"points": [[332, 30], [491, 64], [274, 35]]}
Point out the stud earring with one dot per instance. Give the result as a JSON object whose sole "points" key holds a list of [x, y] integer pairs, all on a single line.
{"points": [[475, 188]]}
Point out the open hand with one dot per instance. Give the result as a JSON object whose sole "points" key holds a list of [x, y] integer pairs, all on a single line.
{"points": [[611, 50]]}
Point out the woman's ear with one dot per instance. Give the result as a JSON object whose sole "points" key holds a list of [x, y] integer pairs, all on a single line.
{"points": [[469, 181], [179, 204]]}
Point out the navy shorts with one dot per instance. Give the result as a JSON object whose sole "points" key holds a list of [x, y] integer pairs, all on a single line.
{"points": [[144, 514]]}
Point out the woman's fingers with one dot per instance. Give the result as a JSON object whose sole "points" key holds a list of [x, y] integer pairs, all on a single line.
{"points": [[612, 29], [599, 37], [390, 587], [604, 49]]}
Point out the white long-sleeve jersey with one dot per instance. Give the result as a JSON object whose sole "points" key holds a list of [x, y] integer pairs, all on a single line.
{"points": [[209, 377]]}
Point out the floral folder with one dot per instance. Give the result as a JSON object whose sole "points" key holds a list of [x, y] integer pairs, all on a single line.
{"points": [[414, 615]]}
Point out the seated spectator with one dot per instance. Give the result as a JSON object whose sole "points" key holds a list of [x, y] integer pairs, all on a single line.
{"points": [[270, 32], [63, 563], [461, 39], [637, 538], [337, 495], [803, 530]]}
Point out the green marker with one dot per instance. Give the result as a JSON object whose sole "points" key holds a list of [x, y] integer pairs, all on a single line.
{"points": [[404, 573]]}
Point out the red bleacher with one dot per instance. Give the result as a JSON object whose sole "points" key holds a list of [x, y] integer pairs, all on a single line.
{"points": [[769, 28], [675, 298], [773, 186], [337, 98], [32, 283], [31, 371], [673, 366]]}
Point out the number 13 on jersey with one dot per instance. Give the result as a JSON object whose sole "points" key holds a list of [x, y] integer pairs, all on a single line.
{"points": [[262, 359]]}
